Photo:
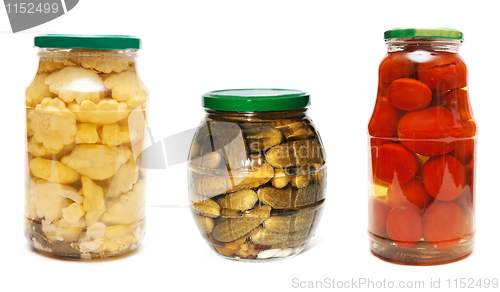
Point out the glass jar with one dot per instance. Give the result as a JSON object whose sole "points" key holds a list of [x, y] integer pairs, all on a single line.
{"points": [[422, 137], [86, 119], [257, 174]]}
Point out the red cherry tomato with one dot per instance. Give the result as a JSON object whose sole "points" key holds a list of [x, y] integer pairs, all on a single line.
{"points": [[465, 148], [424, 131], [383, 124], [409, 94], [466, 203], [396, 65], [465, 200], [469, 224], [444, 178], [412, 194], [457, 100], [464, 151], [470, 169], [404, 226], [443, 72], [393, 163], [384, 120], [377, 216], [470, 129], [382, 88], [377, 142], [444, 225]]}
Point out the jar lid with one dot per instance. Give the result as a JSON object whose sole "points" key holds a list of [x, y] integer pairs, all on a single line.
{"points": [[81, 41], [438, 32], [255, 99]]}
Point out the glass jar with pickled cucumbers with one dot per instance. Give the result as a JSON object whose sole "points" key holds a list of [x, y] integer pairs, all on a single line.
{"points": [[257, 174], [86, 119], [422, 137]]}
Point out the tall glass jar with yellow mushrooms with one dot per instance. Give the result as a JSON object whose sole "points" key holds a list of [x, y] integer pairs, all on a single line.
{"points": [[86, 119], [257, 174]]}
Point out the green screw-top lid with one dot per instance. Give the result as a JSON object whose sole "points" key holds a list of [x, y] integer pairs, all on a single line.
{"points": [[438, 32], [255, 99], [96, 42]]}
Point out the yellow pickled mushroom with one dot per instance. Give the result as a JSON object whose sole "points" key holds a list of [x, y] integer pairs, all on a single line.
{"points": [[29, 207], [115, 134], [86, 133], [69, 232], [104, 65], [73, 213], [53, 171], [75, 83], [97, 161], [105, 76], [105, 111], [97, 230], [30, 113], [94, 237], [93, 201], [125, 86], [120, 237], [136, 121], [38, 90], [52, 64], [48, 199], [53, 124], [49, 66], [118, 231], [110, 246], [124, 179], [38, 150], [127, 208]]}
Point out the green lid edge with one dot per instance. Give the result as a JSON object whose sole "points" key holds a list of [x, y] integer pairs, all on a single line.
{"points": [[236, 103], [96, 42], [438, 32]]}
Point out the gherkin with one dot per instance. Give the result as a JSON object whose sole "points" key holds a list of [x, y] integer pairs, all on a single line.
{"points": [[231, 229], [286, 198], [290, 223]]}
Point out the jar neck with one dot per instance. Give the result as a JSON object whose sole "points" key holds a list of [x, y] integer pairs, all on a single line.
{"points": [[256, 116], [129, 55], [426, 44]]}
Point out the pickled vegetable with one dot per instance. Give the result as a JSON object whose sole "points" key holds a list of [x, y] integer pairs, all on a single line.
{"points": [[261, 183], [422, 137], [86, 197]]}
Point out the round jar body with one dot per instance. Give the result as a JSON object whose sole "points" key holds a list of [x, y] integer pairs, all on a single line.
{"points": [[86, 119], [257, 183], [422, 137]]}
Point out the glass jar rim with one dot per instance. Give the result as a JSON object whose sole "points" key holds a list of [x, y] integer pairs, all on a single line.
{"points": [[255, 99], [80, 41]]}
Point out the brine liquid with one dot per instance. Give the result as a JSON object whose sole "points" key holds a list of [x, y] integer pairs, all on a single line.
{"points": [[422, 138], [281, 233]]}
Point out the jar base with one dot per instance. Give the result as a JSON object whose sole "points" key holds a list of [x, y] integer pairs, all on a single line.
{"points": [[260, 256], [422, 254], [53, 246], [84, 257]]}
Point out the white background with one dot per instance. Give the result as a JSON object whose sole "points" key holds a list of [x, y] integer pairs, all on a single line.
{"points": [[331, 49]]}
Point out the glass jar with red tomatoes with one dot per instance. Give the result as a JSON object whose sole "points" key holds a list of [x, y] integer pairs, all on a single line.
{"points": [[422, 137]]}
